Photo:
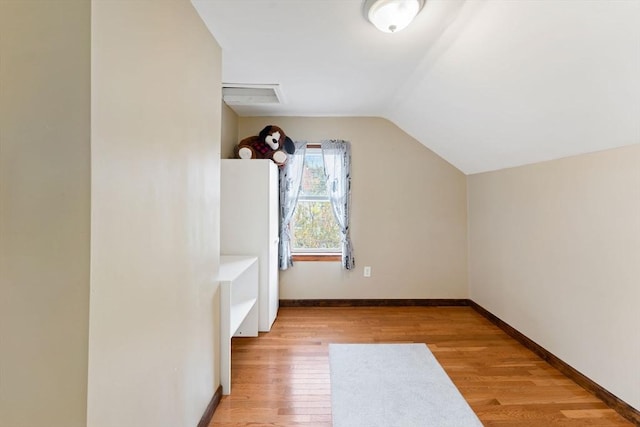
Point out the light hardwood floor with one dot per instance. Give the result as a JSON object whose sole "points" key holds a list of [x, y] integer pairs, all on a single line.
{"points": [[282, 377]]}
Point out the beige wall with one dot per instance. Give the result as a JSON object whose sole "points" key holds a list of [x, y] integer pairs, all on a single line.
{"points": [[229, 132], [156, 77], [555, 252], [409, 215], [44, 212]]}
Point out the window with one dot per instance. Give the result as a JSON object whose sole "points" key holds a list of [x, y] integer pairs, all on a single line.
{"points": [[317, 235], [314, 230]]}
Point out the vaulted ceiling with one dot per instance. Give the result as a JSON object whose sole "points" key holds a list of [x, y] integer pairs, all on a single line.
{"points": [[486, 84]]}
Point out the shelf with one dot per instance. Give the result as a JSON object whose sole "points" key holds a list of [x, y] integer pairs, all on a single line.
{"points": [[238, 313], [238, 278], [232, 266]]}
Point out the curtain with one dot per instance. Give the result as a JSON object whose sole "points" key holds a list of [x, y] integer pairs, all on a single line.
{"points": [[337, 169], [290, 180]]}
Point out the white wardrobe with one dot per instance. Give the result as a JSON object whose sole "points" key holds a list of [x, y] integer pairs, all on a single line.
{"points": [[249, 225]]}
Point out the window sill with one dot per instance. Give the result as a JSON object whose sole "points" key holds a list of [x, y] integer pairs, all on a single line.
{"points": [[316, 257]]}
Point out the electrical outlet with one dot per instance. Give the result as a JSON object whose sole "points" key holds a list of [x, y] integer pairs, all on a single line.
{"points": [[367, 271]]}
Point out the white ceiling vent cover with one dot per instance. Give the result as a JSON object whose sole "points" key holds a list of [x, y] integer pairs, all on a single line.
{"points": [[249, 94]]}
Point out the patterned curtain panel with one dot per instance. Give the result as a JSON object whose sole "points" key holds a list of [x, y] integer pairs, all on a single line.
{"points": [[337, 169], [290, 179]]}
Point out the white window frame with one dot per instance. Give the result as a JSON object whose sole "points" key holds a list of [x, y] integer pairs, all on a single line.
{"points": [[313, 149]]}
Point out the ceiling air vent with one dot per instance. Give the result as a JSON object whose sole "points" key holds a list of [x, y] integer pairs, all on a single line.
{"points": [[248, 94]]}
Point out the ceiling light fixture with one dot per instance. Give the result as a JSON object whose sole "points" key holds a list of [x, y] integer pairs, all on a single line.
{"points": [[391, 16]]}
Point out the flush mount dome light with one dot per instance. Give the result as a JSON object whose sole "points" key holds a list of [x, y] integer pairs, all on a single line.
{"points": [[391, 16]]}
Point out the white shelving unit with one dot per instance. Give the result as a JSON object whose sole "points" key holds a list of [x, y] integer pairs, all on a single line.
{"points": [[249, 224], [238, 277]]}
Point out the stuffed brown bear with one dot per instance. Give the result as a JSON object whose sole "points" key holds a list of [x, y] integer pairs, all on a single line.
{"points": [[270, 143]]}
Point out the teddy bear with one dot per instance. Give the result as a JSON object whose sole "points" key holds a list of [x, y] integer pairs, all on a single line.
{"points": [[270, 143]]}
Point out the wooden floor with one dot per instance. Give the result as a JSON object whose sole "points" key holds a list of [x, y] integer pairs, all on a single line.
{"points": [[282, 377]]}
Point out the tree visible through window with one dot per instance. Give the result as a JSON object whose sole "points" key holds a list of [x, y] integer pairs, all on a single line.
{"points": [[313, 227]]}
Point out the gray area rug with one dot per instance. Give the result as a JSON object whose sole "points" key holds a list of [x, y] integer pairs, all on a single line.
{"points": [[387, 385]]}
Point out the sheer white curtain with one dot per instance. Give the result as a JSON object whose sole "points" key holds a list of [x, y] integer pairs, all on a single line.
{"points": [[337, 168], [290, 180]]}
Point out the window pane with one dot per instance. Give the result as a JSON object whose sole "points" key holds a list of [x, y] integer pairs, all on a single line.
{"points": [[314, 227], [313, 181]]}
